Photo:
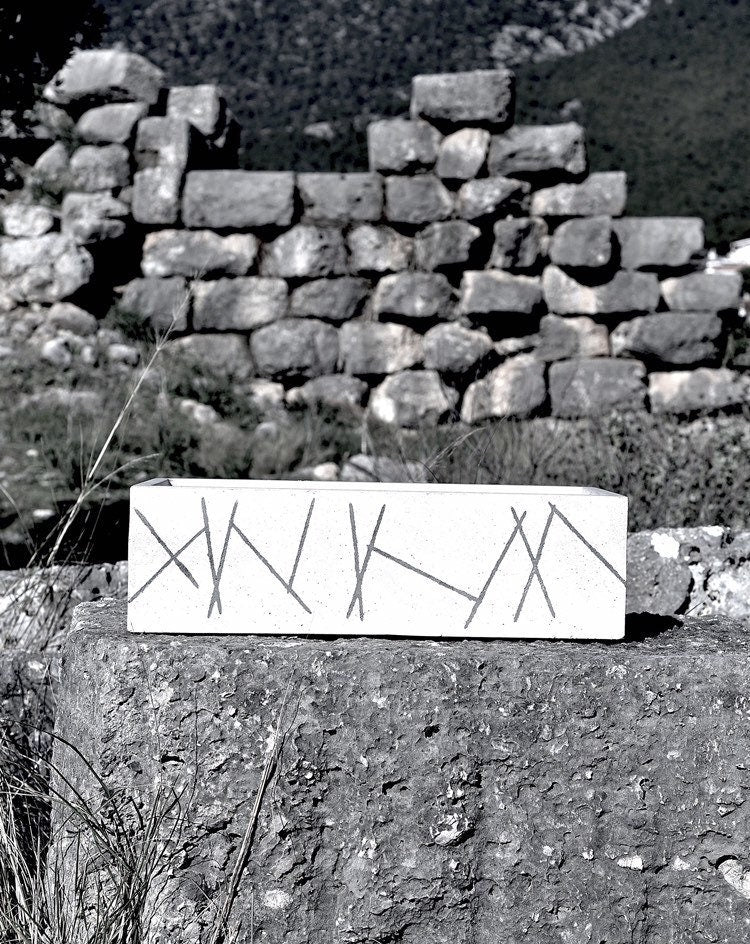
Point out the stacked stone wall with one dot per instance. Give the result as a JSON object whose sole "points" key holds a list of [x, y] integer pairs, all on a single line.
{"points": [[477, 270]]}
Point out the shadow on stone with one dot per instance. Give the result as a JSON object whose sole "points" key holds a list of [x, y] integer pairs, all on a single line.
{"points": [[641, 626]]}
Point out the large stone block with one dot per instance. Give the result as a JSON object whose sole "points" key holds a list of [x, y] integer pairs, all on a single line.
{"points": [[412, 399], [295, 349], [156, 195], [93, 217], [491, 196], [462, 154], [164, 142], [412, 295], [583, 243], [341, 198], [453, 349], [397, 145], [239, 304], [43, 269], [499, 293], [330, 299], [225, 356], [335, 391], [703, 291], [626, 293], [105, 75], [483, 96], [163, 303], [95, 168], [596, 386], [520, 244], [378, 249], [601, 194], [306, 251], [445, 245], [197, 253], [237, 199], [416, 200], [563, 338], [671, 337], [534, 150], [703, 389], [110, 124], [24, 220], [373, 348], [514, 389], [658, 242]]}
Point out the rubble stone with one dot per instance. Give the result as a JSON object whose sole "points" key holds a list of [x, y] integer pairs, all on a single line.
{"points": [[671, 337], [582, 243], [703, 291], [105, 75], [362, 468], [514, 389], [626, 293], [202, 105], [453, 349], [494, 292], [658, 242], [596, 386], [531, 150], [519, 244], [702, 389], [163, 303], [374, 348], [156, 195], [24, 220], [601, 194], [306, 251], [443, 245], [562, 338], [237, 199], [295, 349], [341, 198], [412, 398], [65, 316], [223, 355], [95, 168], [52, 169], [378, 249], [462, 154], [334, 300], [44, 269], [421, 199], [164, 142], [110, 124], [414, 295], [334, 391], [658, 583], [93, 217], [491, 196], [238, 304], [397, 145], [197, 253], [482, 96]]}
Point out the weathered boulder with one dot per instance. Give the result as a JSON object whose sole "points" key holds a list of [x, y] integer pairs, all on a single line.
{"points": [[44, 268], [491, 196], [659, 575], [483, 96], [306, 251], [397, 145], [238, 304], [95, 168], [163, 303], [413, 295], [295, 349], [335, 391], [595, 386], [658, 242], [225, 356], [24, 220], [156, 195], [519, 244], [412, 399], [453, 349], [51, 171], [671, 337], [415, 200], [462, 154], [378, 249], [514, 389], [110, 124], [197, 253], [626, 293], [703, 291], [563, 338], [164, 142], [601, 194], [203, 106], [65, 316], [237, 199], [534, 150], [582, 243], [372, 348], [105, 75], [334, 300], [93, 217], [702, 389], [495, 293], [341, 198], [443, 245], [362, 468]]}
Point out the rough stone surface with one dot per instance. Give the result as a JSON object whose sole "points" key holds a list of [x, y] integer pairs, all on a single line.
{"points": [[453, 349], [703, 291], [362, 468], [335, 391], [341, 198], [295, 349], [412, 295], [43, 269], [202, 105], [659, 575], [561, 338], [239, 304], [25, 220], [493, 292], [378, 249], [110, 124], [237, 199], [583, 243], [595, 386], [156, 195], [691, 391], [396, 145], [222, 355], [519, 244], [371, 348], [548, 150], [52, 169], [445, 245], [68, 317], [412, 398], [95, 168], [164, 142], [462, 154], [483, 96], [658, 242], [626, 293], [671, 337], [514, 389], [105, 75], [415, 200], [93, 217], [601, 194], [163, 303], [334, 300], [491, 196], [200, 253], [306, 251]]}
